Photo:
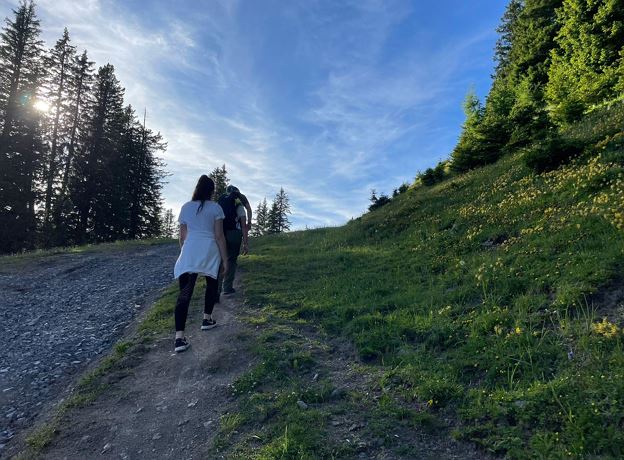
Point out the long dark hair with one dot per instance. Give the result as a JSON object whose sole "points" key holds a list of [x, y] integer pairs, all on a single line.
{"points": [[203, 191]]}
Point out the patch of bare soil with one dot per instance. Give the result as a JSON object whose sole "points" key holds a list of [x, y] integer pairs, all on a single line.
{"points": [[360, 426], [609, 302], [164, 405]]}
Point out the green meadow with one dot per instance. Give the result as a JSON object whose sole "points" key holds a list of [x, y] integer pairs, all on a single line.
{"points": [[495, 296]]}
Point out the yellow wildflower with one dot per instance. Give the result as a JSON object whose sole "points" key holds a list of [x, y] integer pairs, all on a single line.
{"points": [[605, 328]]}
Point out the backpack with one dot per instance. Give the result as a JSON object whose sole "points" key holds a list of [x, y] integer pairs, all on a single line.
{"points": [[228, 204]]}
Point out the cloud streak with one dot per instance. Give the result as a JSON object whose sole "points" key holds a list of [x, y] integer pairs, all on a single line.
{"points": [[326, 99]]}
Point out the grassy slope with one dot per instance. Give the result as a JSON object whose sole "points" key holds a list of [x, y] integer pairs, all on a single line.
{"points": [[482, 296]]}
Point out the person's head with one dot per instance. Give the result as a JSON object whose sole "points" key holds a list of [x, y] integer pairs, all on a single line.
{"points": [[230, 189], [203, 190]]}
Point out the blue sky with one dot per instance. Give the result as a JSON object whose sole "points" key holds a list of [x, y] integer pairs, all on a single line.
{"points": [[326, 98]]}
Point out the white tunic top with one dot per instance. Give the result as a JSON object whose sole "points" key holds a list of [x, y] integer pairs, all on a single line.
{"points": [[200, 253]]}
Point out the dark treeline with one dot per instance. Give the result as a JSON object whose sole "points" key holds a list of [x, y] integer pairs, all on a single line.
{"points": [[76, 164], [558, 84]]}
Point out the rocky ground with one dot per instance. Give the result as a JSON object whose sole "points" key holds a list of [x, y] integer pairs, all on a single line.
{"points": [[165, 405], [61, 312]]}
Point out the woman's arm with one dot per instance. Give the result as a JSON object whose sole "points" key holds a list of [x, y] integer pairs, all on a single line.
{"points": [[183, 233], [247, 206], [245, 230], [220, 236]]}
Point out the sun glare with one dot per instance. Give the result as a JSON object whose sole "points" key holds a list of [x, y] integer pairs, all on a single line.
{"points": [[41, 106]]}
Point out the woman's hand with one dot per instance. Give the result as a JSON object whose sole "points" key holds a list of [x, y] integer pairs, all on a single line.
{"points": [[183, 234]]}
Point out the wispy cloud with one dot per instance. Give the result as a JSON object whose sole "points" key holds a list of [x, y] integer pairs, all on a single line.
{"points": [[326, 99]]}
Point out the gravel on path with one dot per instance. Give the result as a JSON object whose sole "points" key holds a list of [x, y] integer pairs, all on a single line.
{"points": [[60, 312]]}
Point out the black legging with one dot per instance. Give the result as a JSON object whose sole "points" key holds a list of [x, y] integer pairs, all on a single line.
{"points": [[187, 284]]}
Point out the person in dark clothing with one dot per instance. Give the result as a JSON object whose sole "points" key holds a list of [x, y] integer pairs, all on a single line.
{"points": [[236, 225]]}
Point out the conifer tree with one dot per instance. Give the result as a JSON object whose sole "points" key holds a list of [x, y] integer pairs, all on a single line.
{"points": [[261, 217], [587, 63], [278, 221], [529, 59], [140, 160], [504, 44], [21, 144], [80, 85], [219, 176], [169, 224], [93, 183], [272, 226], [57, 90], [469, 152], [84, 169]]}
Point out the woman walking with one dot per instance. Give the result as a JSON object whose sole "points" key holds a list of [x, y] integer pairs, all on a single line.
{"points": [[203, 249]]}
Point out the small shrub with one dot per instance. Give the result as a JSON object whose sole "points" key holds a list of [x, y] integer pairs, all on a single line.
{"points": [[551, 153], [378, 201], [432, 176]]}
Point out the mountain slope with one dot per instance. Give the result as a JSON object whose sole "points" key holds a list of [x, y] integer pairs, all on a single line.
{"points": [[496, 296]]}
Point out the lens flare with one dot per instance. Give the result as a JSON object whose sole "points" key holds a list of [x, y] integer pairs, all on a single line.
{"points": [[42, 106]]}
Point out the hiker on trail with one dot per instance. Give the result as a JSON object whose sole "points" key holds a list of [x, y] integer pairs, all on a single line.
{"points": [[203, 250], [236, 225]]}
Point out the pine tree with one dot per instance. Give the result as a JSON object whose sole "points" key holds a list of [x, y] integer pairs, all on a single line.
{"points": [[529, 60], [587, 63], [219, 176], [21, 145], [140, 160], [169, 224], [67, 168], [469, 152], [57, 90], [80, 84], [272, 226], [93, 182], [260, 226], [278, 221], [505, 40]]}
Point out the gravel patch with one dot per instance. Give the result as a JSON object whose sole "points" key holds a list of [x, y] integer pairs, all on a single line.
{"points": [[59, 313]]}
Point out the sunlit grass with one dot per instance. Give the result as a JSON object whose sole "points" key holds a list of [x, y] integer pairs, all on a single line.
{"points": [[476, 296]]}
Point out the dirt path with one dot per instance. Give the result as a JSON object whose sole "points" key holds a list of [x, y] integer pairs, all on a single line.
{"points": [[163, 405], [60, 313], [166, 405]]}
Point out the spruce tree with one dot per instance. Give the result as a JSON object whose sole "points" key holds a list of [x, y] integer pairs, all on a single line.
{"points": [[21, 145], [273, 219], [169, 224], [587, 63], [74, 163], [57, 90], [506, 30], [280, 211], [261, 218], [219, 176], [80, 86], [529, 59], [93, 182], [141, 161], [469, 151]]}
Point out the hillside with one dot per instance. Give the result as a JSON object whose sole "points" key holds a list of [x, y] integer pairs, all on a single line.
{"points": [[493, 301]]}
